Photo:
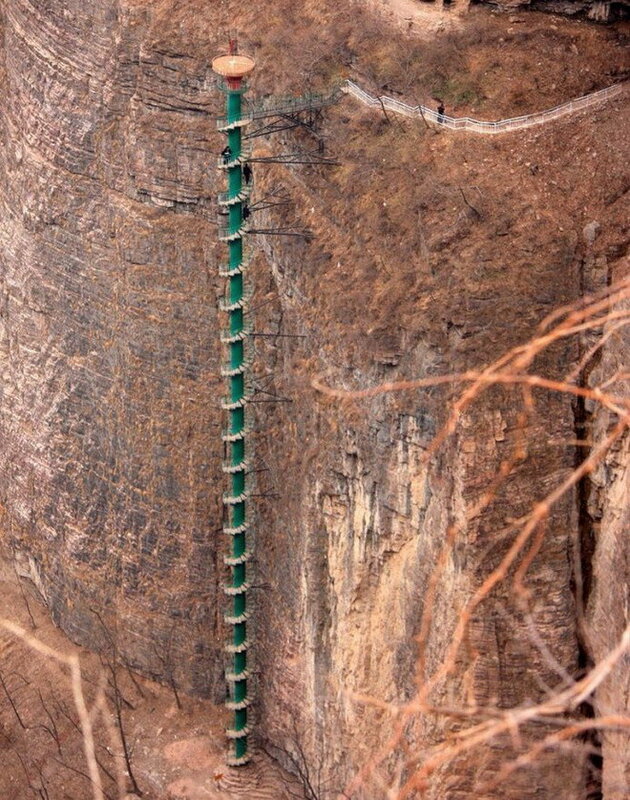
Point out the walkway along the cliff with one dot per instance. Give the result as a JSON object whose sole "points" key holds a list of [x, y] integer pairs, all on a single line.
{"points": [[479, 126]]}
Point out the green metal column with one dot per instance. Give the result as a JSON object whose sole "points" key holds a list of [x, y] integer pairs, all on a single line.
{"points": [[237, 463]]}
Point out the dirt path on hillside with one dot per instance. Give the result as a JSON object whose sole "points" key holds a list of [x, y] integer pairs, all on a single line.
{"points": [[419, 19]]}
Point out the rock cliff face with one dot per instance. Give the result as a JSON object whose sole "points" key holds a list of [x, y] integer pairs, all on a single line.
{"points": [[110, 476], [358, 527], [350, 544], [596, 10], [609, 579], [108, 332]]}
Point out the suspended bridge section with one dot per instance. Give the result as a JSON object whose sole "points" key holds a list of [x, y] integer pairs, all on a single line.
{"points": [[267, 108]]}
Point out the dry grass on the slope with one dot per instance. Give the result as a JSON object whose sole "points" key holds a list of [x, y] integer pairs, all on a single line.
{"points": [[489, 66]]}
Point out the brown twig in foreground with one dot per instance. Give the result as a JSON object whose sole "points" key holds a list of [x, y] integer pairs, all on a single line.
{"points": [[605, 314], [72, 661]]}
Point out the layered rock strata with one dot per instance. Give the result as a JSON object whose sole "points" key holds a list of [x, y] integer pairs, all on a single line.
{"points": [[109, 423]]}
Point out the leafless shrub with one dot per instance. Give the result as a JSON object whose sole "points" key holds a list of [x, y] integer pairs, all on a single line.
{"points": [[117, 698], [165, 656], [86, 715], [310, 777]]}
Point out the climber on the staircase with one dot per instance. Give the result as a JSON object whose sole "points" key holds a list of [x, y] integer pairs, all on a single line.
{"points": [[247, 173], [246, 211], [226, 153]]}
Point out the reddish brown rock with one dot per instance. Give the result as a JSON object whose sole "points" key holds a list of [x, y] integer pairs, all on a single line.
{"points": [[608, 580], [432, 261], [109, 414]]}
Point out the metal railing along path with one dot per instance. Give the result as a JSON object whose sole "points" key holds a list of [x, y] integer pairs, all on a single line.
{"points": [[479, 126]]}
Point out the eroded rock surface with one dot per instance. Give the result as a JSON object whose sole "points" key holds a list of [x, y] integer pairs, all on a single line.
{"points": [[608, 582], [109, 416], [109, 419]]}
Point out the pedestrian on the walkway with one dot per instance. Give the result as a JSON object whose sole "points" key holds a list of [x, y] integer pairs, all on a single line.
{"points": [[440, 112]]}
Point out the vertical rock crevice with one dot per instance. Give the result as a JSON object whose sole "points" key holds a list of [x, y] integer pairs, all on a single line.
{"points": [[583, 545], [582, 584], [597, 520]]}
